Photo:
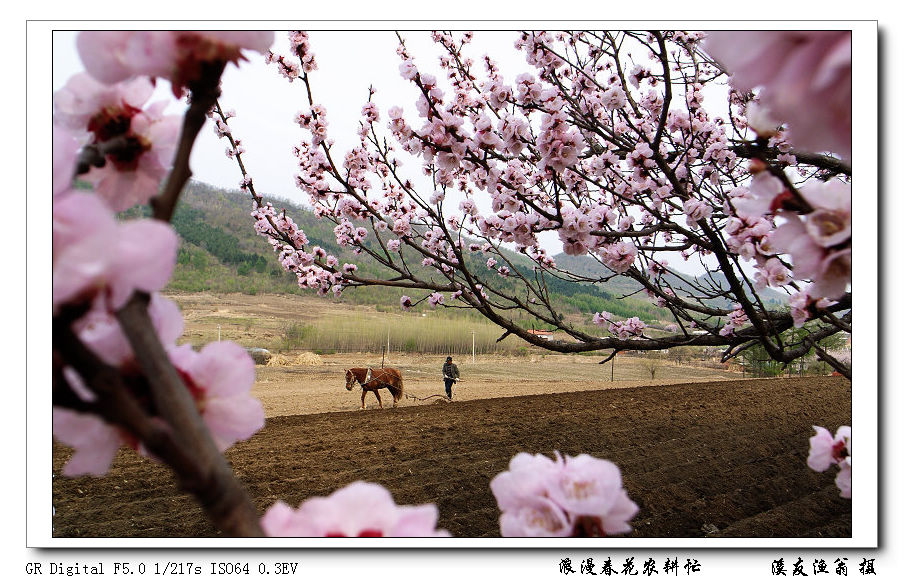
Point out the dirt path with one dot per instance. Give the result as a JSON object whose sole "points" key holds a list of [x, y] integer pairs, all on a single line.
{"points": [[695, 457]]}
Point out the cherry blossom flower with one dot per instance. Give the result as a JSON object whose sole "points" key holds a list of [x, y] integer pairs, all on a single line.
{"points": [[827, 450], [361, 509], [830, 223], [805, 78], [571, 496], [405, 302], [109, 113], [93, 254], [696, 210], [179, 56], [619, 256], [100, 330], [828, 269], [87, 105], [219, 378], [95, 443]]}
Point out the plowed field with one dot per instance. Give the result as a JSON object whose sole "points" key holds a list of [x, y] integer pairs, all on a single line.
{"points": [[720, 459]]}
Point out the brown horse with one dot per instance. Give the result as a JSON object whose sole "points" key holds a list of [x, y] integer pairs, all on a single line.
{"points": [[372, 380]]}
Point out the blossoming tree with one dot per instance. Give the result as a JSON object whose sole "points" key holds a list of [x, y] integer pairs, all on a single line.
{"points": [[606, 145]]}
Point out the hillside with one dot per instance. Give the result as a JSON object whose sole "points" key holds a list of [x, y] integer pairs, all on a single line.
{"points": [[221, 253], [623, 286]]}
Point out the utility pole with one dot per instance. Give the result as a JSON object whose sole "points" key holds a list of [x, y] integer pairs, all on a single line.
{"points": [[473, 347], [218, 332], [612, 375]]}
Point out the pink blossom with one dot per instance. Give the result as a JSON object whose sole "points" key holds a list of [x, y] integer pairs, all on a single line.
{"points": [[830, 223], [805, 76], [435, 298], [86, 105], [826, 451], [370, 112], [632, 327], [360, 509], [535, 516], [125, 183], [93, 254], [100, 330], [772, 273], [619, 256], [573, 496], [65, 154], [760, 120], [843, 479], [107, 113], [95, 443], [405, 302], [696, 210], [113, 56], [219, 378], [408, 69], [816, 242]]}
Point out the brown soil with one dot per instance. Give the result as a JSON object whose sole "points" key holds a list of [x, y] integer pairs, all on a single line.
{"points": [[729, 456]]}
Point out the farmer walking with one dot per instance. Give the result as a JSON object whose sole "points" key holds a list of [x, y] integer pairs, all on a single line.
{"points": [[450, 375]]}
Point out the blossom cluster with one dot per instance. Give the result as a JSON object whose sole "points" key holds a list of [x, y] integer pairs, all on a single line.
{"points": [[565, 497], [827, 450], [632, 327], [105, 131], [584, 149], [802, 78], [736, 318]]}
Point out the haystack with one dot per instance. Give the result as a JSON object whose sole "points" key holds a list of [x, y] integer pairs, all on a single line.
{"points": [[305, 358]]}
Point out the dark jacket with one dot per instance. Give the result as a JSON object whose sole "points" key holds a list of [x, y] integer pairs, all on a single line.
{"points": [[450, 371]]}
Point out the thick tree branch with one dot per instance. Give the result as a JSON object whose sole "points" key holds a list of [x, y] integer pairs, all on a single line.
{"points": [[216, 487]]}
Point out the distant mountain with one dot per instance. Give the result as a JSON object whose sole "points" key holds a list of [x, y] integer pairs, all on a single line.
{"points": [[587, 266]]}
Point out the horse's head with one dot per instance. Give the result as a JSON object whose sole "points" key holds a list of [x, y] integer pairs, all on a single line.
{"points": [[349, 379]]}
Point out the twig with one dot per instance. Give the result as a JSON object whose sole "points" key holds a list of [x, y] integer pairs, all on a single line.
{"points": [[204, 94]]}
